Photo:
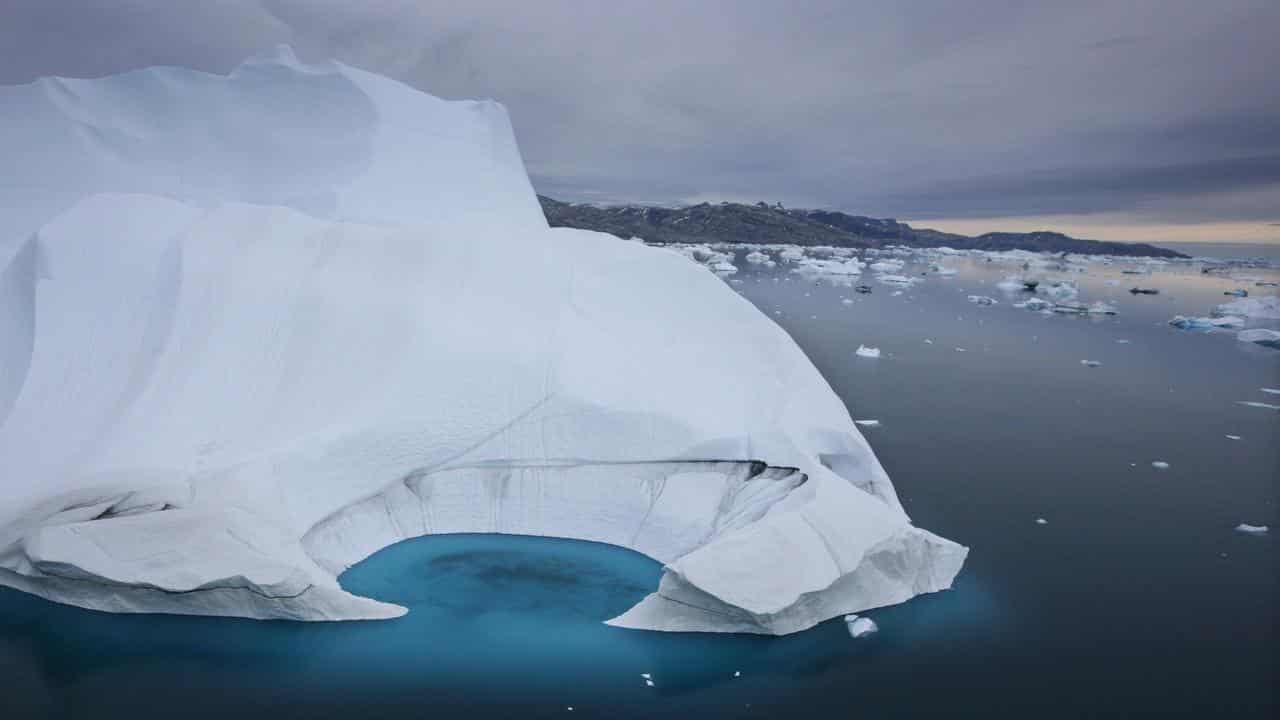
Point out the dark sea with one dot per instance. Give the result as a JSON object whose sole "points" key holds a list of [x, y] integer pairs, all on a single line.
{"points": [[1135, 597]]}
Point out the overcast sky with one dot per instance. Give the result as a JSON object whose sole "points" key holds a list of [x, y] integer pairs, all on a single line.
{"points": [[1153, 118]]}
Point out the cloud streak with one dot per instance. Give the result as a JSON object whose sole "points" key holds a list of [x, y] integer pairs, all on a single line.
{"points": [[932, 109]]}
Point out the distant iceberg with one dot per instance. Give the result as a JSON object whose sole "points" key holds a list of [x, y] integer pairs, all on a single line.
{"points": [[256, 327]]}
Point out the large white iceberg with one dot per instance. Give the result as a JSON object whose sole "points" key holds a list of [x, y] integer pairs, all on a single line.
{"points": [[255, 327]]}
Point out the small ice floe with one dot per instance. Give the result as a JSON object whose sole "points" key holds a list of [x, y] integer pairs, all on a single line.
{"points": [[1013, 283], [982, 300], [1233, 437], [1063, 290], [1101, 308], [1260, 336], [1252, 529], [646, 676], [791, 253], [868, 423], [755, 257], [895, 293], [1159, 464], [860, 626], [1144, 291], [1034, 303], [959, 349], [927, 341], [1041, 521], [648, 682], [886, 266], [895, 279], [1122, 341], [1270, 391], [1090, 363], [1266, 308], [737, 673], [867, 352], [1238, 292], [1070, 307], [1264, 406], [1197, 323]]}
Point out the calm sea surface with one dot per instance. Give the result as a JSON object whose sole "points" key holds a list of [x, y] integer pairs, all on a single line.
{"points": [[1136, 597]]}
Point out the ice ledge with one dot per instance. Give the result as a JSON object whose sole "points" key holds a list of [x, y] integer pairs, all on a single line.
{"points": [[745, 544]]}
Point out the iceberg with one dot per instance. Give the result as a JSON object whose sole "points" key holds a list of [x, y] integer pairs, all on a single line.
{"points": [[867, 352], [257, 327], [982, 300], [1248, 529]]}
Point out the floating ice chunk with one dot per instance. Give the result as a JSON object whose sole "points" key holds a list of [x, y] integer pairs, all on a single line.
{"points": [[1252, 529], [1041, 521], [649, 683], [1011, 283], [982, 300], [886, 266], [1062, 289], [927, 341], [791, 254], [959, 349], [1265, 308], [1159, 464], [829, 267], [1270, 391], [737, 673], [1034, 303], [1196, 323], [1260, 336], [1091, 363], [646, 676], [846, 301], [867, 352], [868, 423], [755, 257], [1101, 308], [895, 279], [1122, 341], [895, 293], [1233, 437], [1264, 406], [860, 626]]}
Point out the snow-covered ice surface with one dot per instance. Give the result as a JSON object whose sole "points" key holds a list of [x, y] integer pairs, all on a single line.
{"points": [[256, 327]]}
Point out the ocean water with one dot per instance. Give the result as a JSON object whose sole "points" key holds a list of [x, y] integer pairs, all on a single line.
{"points": [[1136, 597]]}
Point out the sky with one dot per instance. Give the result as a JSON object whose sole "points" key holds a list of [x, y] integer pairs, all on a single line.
{"points": [[1129, 120]]}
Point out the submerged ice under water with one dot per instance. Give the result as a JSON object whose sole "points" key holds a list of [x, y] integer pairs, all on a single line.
{"points": [[1097, 585]]}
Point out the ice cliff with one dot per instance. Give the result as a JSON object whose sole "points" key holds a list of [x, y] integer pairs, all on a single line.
{"points": [[255, 327]]}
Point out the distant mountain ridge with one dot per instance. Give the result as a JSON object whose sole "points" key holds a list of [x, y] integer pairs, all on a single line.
{"points": [[763, 224]]}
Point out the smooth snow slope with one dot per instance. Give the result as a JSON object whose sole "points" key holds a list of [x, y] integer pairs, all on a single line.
{"points": [[257, 327]]}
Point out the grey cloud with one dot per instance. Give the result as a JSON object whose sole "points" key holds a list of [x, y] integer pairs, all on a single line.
{"points": [[923, 109]]}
